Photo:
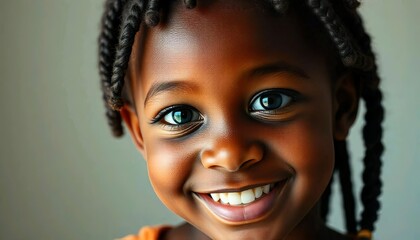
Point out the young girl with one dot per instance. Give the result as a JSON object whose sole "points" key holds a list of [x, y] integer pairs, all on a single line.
{"points": [[241, 110]]}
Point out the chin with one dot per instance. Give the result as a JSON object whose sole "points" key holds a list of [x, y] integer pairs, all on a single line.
{"points": [[266, 232]]}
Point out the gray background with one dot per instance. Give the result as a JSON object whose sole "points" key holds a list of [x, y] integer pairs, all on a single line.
{"points": [[62, 175]]}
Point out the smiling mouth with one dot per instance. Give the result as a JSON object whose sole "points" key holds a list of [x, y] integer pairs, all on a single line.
{"points": [[242, 197], [243, 207]]}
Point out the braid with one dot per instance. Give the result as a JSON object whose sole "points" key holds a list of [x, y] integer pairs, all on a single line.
{"points": [[372, 131], [343, 168], [346, 47], [114, 52], [326, 196], [342, 160], [130, 26], [372, 134], [361, 58], [107, 40], [152, 14]]}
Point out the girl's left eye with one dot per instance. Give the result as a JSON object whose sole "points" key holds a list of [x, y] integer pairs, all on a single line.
{"points": [[270, 100]]}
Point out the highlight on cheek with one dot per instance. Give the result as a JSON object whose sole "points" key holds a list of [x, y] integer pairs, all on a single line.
{"points": [[273, 105]]}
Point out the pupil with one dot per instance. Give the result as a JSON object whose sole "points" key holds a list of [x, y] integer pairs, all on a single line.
{"points": [[182, 116], [271, 102]]}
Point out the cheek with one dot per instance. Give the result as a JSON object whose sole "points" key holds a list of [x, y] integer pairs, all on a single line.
{"points": [[169, 166], [313, 151], [314, 141], [315, 162], [307, 146]]}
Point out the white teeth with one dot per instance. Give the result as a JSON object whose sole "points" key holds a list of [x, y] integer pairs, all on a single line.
{"points": [[244, 197], [215, 196], [234, 198], [224, 198], [266, 188], [247, 196], [258, 192]]}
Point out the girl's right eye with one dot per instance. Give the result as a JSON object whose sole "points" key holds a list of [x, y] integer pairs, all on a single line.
{"points": [[181, 116], [180, 119]]}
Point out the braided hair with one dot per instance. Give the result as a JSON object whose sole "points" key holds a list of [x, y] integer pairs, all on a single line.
{"points": [[344, 28]]}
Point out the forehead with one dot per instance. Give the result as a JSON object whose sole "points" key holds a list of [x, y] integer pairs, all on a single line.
{"points": [[239, 34]]}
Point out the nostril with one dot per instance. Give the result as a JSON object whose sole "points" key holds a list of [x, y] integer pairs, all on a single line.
{"points": [[248, 163], [255, 153], [232, 159]]}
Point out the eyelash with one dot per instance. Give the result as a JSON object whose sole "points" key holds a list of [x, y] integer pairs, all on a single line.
{"points": [[269, 115], [285, 92], [177, 127], [278, 113]]}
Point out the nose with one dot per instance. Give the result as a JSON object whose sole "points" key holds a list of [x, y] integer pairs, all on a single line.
{"points": [[231, 153]]}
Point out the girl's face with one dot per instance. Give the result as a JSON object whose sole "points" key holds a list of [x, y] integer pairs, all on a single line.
{"points": [[233, 102]]}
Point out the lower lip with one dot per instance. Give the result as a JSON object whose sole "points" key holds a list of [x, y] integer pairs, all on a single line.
{"points": [[244, 213]]}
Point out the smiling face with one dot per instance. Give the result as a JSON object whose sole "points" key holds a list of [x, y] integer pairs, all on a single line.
{"points": [[234, 114]]}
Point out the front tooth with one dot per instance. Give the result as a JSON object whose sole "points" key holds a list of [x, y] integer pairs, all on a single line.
{"points": [[234, 198], [224, 198], [247, 196], [266, 189], [215, 196], [258, 192]]}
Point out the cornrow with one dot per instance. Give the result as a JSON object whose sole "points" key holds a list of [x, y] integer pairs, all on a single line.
{"points": [[354, 48]]}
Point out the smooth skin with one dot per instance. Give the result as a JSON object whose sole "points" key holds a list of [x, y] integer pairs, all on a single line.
{"points": [[217, 66]]}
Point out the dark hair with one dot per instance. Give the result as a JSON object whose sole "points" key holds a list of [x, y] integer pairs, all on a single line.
{"points": [[343, 26]]}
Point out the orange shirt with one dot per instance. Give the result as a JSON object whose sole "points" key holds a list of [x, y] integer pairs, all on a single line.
{"points": [[148, 233]]}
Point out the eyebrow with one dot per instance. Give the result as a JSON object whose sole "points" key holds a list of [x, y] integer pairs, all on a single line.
{"points": [[272, 68], [276, 67], [159, 88]]}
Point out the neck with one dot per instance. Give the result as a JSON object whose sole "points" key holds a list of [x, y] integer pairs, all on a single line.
{"points": [[311, 227], [185, 231]]}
